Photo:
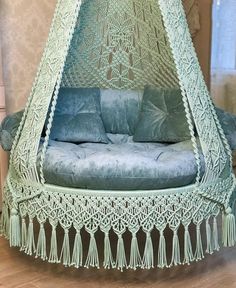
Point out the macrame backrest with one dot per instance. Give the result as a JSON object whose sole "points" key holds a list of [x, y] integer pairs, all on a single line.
{"points": [[121, 45]]}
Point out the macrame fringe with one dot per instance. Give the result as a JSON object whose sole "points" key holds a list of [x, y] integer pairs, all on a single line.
{"points": [[162, 260], [65, 250], [15, 231], [135, 258], [209, 248], [121, 262], [175, 260], [41, 245], [53, 256], [92, 258], [215, 241], [77, 255], [229, 229], [23, 234], [199, 250], [5, 221], [148, 257], [108, 258], [30, 246], [188, 251]]}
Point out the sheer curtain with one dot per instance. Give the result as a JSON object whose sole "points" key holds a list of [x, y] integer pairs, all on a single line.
{"points": [[223, 84]]}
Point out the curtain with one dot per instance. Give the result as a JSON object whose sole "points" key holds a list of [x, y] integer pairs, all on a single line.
{"points": [[223, 84]]}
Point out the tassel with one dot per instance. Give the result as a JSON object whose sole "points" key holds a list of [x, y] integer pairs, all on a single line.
{"points": [[15, 232], [162, 261], [30, 247], [120, 255], [135, 258], [216, 245], [53, 256], [229, 229], [77, 256], [41, 246], [23, 235], [65, 250], [188, 252], [92, 258], [108, 258], [175, 250], [148, 258], [199, 250], [209, 248]]}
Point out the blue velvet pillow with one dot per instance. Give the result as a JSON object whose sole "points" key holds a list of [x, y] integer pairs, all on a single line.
{"points": [[77, 116], [162, 117]]}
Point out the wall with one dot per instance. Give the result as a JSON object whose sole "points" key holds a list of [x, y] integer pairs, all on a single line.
{"points": [[25, 25], [202, 41]]}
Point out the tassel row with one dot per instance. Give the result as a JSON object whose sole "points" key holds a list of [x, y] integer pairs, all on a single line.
{"points": [[25, 238]]}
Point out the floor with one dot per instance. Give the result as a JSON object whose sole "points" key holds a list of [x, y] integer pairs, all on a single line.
{"points": [[18, 270]]}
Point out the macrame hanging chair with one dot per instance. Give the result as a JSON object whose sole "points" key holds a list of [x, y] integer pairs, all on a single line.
{"points": [[122, 44]]}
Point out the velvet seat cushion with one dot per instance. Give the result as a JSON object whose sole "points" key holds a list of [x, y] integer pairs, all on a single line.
{"points": [[162, 117], [77, 116], [120, 165]]}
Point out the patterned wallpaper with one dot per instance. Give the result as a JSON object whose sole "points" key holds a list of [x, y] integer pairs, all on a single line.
{"points": [[24, 26]]}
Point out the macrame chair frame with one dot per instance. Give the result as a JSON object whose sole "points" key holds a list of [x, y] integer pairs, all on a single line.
{"points": [[28, 199]]}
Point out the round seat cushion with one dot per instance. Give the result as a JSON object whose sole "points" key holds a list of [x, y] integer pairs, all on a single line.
{"points": [[124, 165]]}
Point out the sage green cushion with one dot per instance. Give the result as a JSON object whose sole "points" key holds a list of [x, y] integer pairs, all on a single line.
{"points": [[121, 165], [8, 129], [78, 116], [120, 110], [162, 117]]}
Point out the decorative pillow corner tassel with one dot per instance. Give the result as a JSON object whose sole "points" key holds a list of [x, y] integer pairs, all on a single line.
{"points": [[65, 250], [15, 231], [188, 251], [135, 258], [23, 234], [77, 255], [175, 260], [162, 260], [199, 250], [209, 248], [121, 262], [41, 245], [148, 256], [53, 256], [215, 241], [92, 258], [108, 258], [229, 229]]}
